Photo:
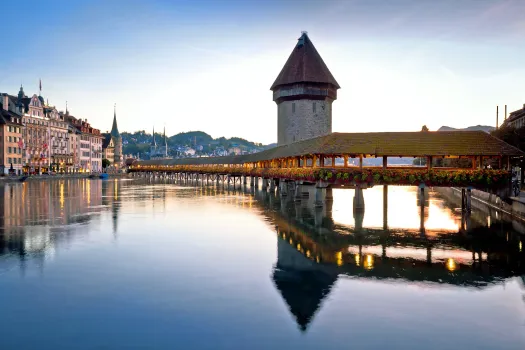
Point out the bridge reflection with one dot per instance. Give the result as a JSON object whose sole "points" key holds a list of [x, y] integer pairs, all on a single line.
{"points": [[313, 251]]}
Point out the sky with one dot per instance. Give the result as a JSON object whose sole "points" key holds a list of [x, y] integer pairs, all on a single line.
{"points": [[208, 65]]}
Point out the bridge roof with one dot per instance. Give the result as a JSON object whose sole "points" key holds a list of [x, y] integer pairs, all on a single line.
{"points": [[390, 144], [394, 144]]}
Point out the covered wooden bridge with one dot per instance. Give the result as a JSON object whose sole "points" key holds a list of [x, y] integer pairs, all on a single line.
{"points": [[337, 160]]}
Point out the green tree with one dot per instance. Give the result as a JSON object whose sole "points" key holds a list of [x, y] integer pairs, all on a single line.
{"points": [[105, 163], [424, 128]]}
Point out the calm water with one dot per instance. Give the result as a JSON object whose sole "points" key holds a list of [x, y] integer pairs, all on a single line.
{"points": [[89, 264]]}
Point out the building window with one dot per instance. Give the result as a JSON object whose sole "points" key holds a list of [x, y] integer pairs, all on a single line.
{"points": [[293, 107], [314, 107]]}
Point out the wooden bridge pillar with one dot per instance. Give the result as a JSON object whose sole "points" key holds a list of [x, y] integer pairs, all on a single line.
{"points": [[298, 195], [272, 184], [283, 188], [359, 200], [385, 207], [263, 184]]}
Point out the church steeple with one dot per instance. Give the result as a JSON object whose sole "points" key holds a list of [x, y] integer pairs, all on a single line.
{"points": [[165, 143], [154, 143], [114, 129]]}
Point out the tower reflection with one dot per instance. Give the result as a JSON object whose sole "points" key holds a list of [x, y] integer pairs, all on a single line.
{"points": [[313, 251]]}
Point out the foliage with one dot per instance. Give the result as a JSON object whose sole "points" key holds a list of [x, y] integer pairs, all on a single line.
{"points": [[424, 128], [105, 163], [478, 178]]}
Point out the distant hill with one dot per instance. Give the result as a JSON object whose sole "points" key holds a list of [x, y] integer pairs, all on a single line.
{"points": [[485, 128], [204, 145]]}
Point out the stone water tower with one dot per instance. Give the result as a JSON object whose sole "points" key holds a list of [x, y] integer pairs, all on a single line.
{"points": [[304, 92]]}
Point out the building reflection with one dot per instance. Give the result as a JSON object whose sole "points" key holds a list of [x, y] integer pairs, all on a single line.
{"points": [[39, 217]]}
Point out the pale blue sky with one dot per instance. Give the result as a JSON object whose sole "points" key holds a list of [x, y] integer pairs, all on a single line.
{"points": [[208, 65]]}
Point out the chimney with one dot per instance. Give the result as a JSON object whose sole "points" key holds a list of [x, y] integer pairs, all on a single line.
{"points": [[505, 112], [6, 102]]}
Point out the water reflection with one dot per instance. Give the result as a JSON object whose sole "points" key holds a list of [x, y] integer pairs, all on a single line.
{"points": [[403, 237]]}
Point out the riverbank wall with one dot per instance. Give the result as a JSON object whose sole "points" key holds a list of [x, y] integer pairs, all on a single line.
{"points": [[5, 179]]}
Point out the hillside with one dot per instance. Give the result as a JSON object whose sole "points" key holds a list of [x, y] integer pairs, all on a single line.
{"points": [[202, 143], [484, 128]]}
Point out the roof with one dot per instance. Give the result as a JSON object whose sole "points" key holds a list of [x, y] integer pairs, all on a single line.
{"points": [[106, 141], [5, 116], [114, 128], [304, 65], [379, 144], [516, 115]]}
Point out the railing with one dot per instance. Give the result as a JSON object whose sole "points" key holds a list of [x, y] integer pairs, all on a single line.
{"points": [[478, 178]]}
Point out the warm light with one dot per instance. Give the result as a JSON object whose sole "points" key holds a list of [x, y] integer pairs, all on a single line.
{"points": [[488, 221], [317, 259], [451, 265], [520, 246], [298, 246], [339, 258], [61, 196], [291, 242], [357, 259], [308, 252], [369, 262]]}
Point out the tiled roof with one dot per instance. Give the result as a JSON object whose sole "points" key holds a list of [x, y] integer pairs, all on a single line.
{"points": [[390, 144], [304, 65], [516, 114], [106, 141]]}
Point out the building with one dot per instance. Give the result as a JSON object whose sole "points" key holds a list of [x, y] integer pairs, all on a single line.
{"points": [[90, 146], [304, 91], [35, 133], [159, 151], [516, 119], [10, 137], [59, 146], [112, 145]]}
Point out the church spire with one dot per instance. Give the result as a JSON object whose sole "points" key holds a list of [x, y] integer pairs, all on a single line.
{"points": [[165, 142], [154, 143], [114, 129]]}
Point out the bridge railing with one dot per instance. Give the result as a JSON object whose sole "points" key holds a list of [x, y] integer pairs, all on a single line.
{"points": [[476, 178]]}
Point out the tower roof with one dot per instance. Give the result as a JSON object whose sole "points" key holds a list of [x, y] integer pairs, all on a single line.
{"points": [[304, 65], [114, 128]]}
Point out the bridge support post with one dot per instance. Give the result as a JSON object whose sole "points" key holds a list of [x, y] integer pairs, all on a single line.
{"points": [[264, 184], [252, 181], [359, 200], [321, 189], [469, 200], [272, 185], [298, 192], [385, 207], [283, 188]]}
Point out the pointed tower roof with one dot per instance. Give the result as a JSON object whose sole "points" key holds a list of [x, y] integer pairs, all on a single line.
{"points": [[304, 65], [114, 129], [154, 143]]}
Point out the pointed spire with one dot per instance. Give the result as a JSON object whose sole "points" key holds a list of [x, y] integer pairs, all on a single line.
{"points": [[165, 142], [40, 87], [114, 128], [304, 65], [67, 112], [154, 143]]}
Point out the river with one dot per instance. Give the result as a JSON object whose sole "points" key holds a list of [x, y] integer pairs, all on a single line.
{"points": [[124, 264]]}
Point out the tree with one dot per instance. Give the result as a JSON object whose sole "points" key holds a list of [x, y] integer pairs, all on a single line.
{"points": [[105, 163], [424, 128]]}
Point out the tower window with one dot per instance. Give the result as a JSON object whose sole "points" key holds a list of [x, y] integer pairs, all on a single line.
{"points": [[314, 107], [293, 107]]}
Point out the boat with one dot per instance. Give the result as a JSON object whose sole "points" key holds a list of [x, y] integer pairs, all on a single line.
{"points": [[93, 176], [104, 176], [23, 178]]}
